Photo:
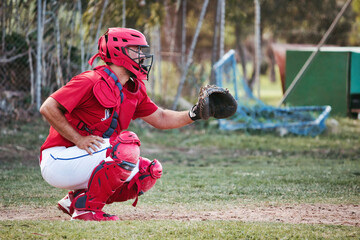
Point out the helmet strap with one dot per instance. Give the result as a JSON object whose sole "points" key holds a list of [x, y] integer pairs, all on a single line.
{"points": [[91, 60]]}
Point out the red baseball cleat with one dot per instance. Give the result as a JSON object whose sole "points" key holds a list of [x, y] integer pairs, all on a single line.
{"points": [[93, 216]]}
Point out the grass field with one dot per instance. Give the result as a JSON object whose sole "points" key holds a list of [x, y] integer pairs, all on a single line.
{"points": [[216, 185]]}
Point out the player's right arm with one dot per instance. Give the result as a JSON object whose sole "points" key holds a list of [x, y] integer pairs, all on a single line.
{"points": [[54, 112]]}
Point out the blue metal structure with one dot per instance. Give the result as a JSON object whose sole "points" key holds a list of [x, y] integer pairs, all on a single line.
{"points": [[252, 113]]}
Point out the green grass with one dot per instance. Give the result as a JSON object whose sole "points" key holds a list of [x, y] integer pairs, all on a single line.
{"points": [[204, 168], [170, 230]]}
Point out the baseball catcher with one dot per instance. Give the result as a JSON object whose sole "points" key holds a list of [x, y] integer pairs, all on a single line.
{"points": [[89, 149]]}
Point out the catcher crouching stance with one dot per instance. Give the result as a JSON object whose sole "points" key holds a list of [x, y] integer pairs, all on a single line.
{"points": [[89, 150]]}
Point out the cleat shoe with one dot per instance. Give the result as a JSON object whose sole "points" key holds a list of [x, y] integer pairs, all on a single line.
{"points": [[65, 203], [93, 216]]}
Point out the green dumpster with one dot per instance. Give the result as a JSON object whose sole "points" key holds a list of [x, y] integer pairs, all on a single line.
{"points": [[333, 78]]}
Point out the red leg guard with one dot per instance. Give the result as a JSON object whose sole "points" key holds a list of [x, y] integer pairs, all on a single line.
{"points": [[105, 179], [110, 175], [143, 181]]}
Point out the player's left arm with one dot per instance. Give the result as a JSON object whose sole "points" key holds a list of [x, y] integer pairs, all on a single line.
{"points": [[168, 119]]}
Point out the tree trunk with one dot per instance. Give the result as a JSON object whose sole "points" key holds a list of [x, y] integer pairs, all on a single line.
{"points": [[214, 54], [72, 30], [159, 60], [82, 44], [272, 61], [59, 75], [3, 26], [189, 58], [97, 35], [222, 29], [241, 51], [172, 46], [156, 43], [257, 44], [183, 36], [32, 82], [89, 51], [38, 54], [123, 13], [43, 70], [167, 23]]}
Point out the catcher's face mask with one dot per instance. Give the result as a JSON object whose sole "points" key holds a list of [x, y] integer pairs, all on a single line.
{"points": [[141, 56]]}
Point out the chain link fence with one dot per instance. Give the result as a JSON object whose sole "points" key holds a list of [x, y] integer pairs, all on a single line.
{"points": [[60, 53]]}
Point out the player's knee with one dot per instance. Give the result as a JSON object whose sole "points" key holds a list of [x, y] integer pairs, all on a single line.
{"points": [[153, 167], [125, 147], [149, 172]]}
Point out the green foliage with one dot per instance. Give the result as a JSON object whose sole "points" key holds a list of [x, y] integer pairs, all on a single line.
{"points": [[355, 34], [282, 20], [15, 42], [138, 17], [294, 21]]}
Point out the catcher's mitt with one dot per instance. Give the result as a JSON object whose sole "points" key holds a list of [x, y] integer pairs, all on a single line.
{"points": [[214, 102]]}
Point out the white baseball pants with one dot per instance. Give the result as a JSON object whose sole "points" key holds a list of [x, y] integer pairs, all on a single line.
{"points": [[71, 168]]}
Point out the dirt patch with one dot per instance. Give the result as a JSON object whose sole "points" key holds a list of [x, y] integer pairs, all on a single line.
{"points": [[348, 215]]}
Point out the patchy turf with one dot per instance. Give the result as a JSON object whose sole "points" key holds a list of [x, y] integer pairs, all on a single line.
{"points": [[250, 182]]}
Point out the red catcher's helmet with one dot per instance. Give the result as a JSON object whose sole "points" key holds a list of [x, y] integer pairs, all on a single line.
{"points": [[114, 47]]}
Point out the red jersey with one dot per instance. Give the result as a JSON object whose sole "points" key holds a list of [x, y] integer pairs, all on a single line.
{"points": [[91, 101]]}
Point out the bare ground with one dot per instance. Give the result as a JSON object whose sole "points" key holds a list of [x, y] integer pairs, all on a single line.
{"points": [[347, 215]]}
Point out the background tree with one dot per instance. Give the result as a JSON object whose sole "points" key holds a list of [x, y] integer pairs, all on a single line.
{"points": [[70, 30]]}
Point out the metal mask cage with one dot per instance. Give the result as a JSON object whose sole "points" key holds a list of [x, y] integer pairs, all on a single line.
{"points": [[143, 57]]}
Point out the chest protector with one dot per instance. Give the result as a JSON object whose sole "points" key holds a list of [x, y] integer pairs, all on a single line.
{"points": [[111, 95], [108, 96]]}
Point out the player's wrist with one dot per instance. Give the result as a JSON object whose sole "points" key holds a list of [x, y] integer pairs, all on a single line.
{"points": [[193, 113]]}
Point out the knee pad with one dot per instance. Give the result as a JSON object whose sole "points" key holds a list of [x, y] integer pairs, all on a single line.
{"points": [[144, 180], [125, 147]]}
